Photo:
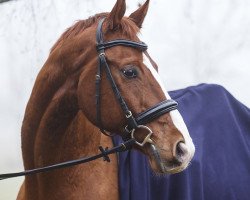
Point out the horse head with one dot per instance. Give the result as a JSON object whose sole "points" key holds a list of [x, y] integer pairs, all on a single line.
{"points": [[169, 148]]}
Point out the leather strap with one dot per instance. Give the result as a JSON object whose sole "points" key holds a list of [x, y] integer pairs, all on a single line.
{"points": [[138, 45], [156, 111], [142, 118], [104, 153], [101, 46]]}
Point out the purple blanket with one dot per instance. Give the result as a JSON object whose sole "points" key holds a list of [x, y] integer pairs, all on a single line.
{"points": [[220, 169]]}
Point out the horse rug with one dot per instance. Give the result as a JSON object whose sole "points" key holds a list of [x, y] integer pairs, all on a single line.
{"points": [[220, 127]]}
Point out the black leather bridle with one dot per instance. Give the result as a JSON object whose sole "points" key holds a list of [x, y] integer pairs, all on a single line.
{"points": [[133, 123]]}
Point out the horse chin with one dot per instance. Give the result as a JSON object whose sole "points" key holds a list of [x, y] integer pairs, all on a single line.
{"points": [[161, 166], [174, 169]]}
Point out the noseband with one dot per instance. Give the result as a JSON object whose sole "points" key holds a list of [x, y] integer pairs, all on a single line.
{"points": [[133, 123]]}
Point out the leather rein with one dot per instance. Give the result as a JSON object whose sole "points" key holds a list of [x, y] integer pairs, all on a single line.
{"points": [[133, 123]]}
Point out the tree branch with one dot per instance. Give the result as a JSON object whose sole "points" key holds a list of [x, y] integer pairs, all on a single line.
{"points": [[2, 1]]}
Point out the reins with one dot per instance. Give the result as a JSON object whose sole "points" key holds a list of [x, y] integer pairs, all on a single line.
{"points": [[125, 146], [133, 122]]}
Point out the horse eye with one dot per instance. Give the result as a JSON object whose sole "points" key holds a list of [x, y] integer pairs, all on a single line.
{"points": [[130, 73]]}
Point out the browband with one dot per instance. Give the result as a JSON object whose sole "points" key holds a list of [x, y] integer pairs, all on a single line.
{"points": [[128, 43], [132, 123]]}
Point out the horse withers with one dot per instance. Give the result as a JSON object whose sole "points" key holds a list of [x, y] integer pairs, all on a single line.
{"points": [[99, 78]]}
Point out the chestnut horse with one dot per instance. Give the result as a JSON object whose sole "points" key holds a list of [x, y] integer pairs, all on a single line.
{"points": [[61, 123]]}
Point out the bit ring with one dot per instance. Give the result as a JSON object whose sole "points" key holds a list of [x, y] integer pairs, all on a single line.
{"points": [[146, 139]]}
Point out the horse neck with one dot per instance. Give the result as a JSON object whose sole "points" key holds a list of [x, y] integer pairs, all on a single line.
{"points": [[54, 129], [52, 111], [65, 137]]}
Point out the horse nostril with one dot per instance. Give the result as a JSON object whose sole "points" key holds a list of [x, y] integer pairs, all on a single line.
{"points": [[179, 153], [180, 149]]}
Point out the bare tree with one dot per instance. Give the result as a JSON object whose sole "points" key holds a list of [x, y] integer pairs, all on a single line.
{"points": [[2, 1]]}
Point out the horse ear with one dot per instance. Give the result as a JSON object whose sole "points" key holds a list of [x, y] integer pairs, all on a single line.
{"points": [[115, 16], [139, 15]]}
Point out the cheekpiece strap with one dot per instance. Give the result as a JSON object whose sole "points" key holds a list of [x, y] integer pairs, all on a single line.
{"points": [[101, 46], [145, 117]]}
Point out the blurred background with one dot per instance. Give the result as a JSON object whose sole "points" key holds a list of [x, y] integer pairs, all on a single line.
{"points": [[205, 41]]}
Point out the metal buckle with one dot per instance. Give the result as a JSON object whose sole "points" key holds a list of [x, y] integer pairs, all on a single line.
{"points": [[102, 54], [129, 114], [97, 77], [146, 139]]}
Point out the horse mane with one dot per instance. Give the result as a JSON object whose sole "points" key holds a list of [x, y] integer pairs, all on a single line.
{"points": [[127, 27], [55, 85]]}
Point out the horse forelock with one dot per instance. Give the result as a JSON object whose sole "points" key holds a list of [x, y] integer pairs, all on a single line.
{"points": [[127, 27], [53, 80]]}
